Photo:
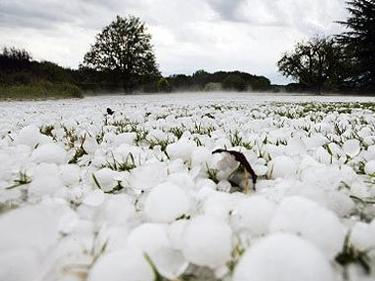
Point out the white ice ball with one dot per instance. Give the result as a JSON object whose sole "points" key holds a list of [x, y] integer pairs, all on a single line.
{"points": [[129, 265], [70, 174], [283, 257], [47, 185], [19, 265], [370, 167], [105, 179], [207, 242], [282, 167], [148, 176], [182, 149], [30, 136], [49, 153], [254, 214], [313, 222], [351, 147], [166, 202]]}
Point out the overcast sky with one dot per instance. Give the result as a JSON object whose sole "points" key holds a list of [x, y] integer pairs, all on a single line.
{"points": [[247, 35]]}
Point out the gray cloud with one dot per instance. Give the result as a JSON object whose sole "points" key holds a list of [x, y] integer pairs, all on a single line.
{"points": [[249, 35]]}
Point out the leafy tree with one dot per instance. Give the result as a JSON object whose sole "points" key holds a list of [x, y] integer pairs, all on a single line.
{"points": [[13, 59], [319, 64], [359, 41], [234, 82], [163, 86], [124, 49]]}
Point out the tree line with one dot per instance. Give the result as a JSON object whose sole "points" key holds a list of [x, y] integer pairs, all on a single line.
{"points": [[122, 59], [344, 62]]}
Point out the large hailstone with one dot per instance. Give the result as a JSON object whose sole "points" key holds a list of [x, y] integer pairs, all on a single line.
{"points": [[207, 242], [370, 167], [181, 149], [31, 136], [282, 167], [166, 202], [352, 147], [49, 153], [70, 174], [129, 265], [148, 176], [254, 214], [363, 236], [45, 185], [17, 227], [313, 222], [19, 265], [283, 257], [118, 210], [106, 179], [152, 239]]}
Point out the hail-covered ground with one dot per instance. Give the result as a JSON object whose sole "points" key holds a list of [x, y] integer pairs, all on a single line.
{"points": [[139, 195]]}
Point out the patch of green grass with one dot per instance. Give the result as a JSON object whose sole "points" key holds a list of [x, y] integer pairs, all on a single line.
{"points": [[44, 90]]}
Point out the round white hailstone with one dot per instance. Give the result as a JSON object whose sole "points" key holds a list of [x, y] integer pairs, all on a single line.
{"points": [[363, 236], [70, 174], [315, 141], [49, 153], [207, 242], [106, 179], [254, 214], [295, 147], [68, 221], [19, 265], [175, 233], [94, 198], [283, 257], [148, 238], [365, 132], [114, 237], [200, 156], [90, 145], [201, 183], [166, 202], [219, 204], [260, 170], [370, 167], [152, 239], [47, 185], [118, 209], [17, 226], [177, 166], [340, 203], [282, 167], [170, 262], [127, 138], [313, 222], [148, 176], [224, 186], [181, 149], [129, 265], [184, 180], [30, 136], [352, 147]]}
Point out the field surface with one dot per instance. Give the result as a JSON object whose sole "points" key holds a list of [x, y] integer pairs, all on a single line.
{"points": [[139, 195]]}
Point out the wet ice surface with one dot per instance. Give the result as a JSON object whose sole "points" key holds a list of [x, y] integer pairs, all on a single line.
{"points": [[85, 196]]}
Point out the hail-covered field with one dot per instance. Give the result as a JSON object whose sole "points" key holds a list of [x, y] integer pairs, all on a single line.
{"points": [[139, 195]]}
